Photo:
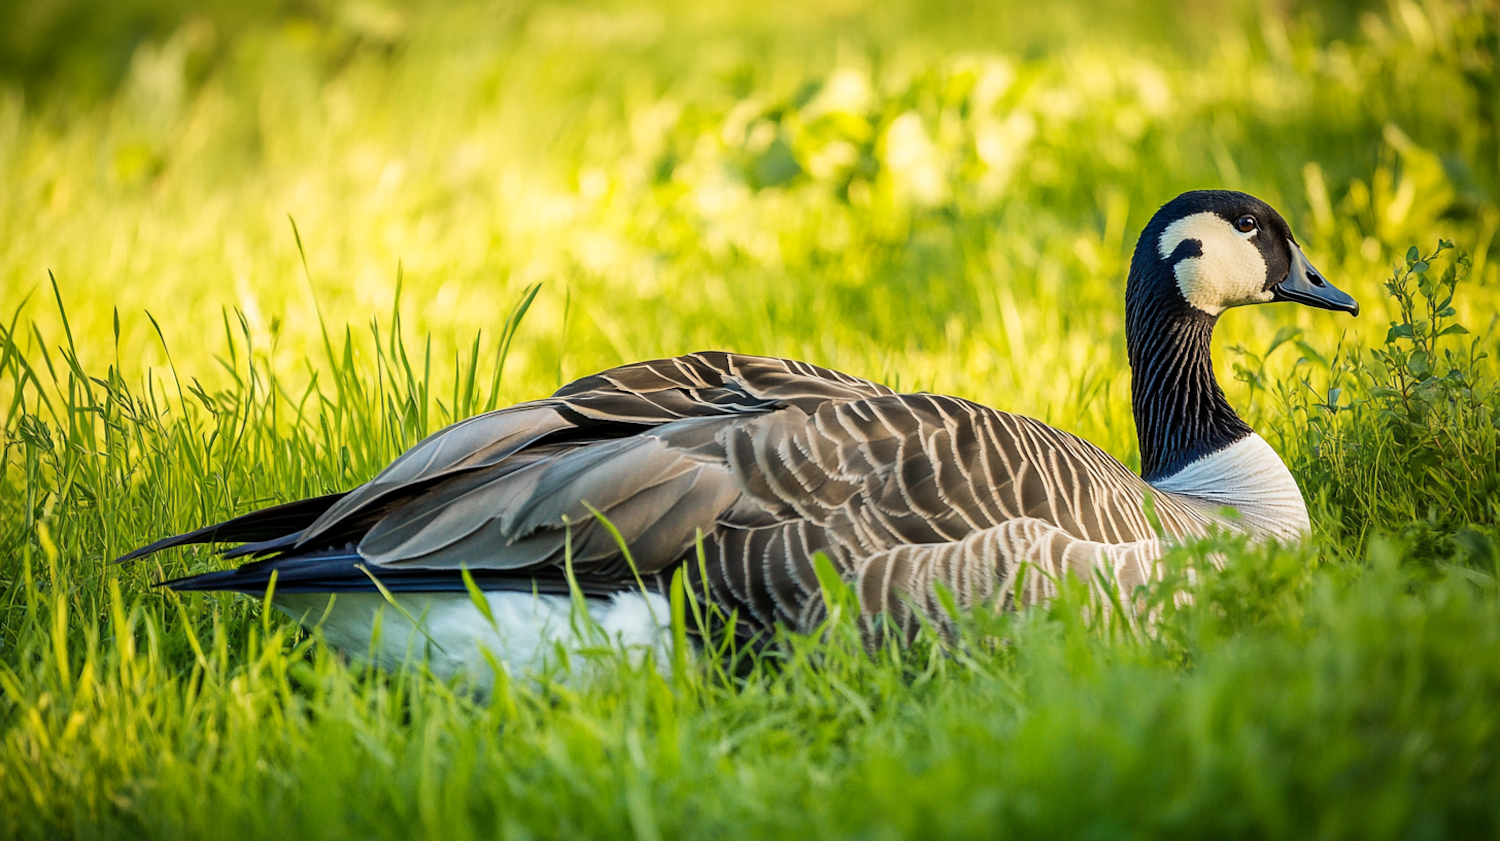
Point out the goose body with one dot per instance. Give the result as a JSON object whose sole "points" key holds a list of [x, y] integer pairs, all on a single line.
{"points": [[775, 460]]}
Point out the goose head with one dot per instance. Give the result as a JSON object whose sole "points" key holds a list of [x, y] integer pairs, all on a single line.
{"points": [[1211, 250], [1203, 253]]}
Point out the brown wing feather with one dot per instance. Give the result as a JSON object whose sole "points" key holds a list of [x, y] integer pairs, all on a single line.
{"points": [[498, 489]]}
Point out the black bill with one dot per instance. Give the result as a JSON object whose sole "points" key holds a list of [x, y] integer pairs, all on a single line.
{"points": [[1306, 285]]}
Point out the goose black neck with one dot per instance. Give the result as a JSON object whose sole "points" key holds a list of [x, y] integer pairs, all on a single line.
{"points": [[1181, 414]]}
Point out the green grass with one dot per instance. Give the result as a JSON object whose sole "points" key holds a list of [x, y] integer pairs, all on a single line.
{"points": [[940, 197]]}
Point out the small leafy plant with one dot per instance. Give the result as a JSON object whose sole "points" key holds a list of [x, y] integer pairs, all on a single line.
{"points": [[1423, 378], [1406, 433]]}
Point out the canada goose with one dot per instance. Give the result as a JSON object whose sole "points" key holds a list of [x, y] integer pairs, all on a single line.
{"points": [[775, 460]]}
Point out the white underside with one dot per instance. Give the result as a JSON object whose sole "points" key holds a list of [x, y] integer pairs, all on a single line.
{"points": [[530, 634], [1251, 478]]}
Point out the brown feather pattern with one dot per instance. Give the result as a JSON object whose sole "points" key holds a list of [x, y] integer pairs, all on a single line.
{"points": [[774, 461]]}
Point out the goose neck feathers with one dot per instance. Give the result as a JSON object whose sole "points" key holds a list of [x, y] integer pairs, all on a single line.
{"points": [[1201, 254], [1181, 413]]}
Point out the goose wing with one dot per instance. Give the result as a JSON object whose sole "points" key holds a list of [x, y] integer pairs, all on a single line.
{"points": [[499, 491], [639, 444]]}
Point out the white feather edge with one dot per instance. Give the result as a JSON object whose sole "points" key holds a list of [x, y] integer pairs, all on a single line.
{"points": [[530, 632]]}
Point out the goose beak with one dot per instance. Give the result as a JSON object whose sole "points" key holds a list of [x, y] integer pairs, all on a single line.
{"points": [[1306, 285]]}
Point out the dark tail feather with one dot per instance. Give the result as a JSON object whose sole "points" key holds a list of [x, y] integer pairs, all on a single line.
{"points": [[263, 547], [267, 524], [345, 572]]}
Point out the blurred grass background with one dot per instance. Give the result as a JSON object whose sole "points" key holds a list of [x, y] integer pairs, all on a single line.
{"points": [[942, 196]]}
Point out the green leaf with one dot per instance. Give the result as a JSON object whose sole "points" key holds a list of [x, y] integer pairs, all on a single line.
{"points": [[1420, 266], [1412, 255], [1454, 330], [477, 597], [946, 599], [385, 594], [835, 590], [775, 167], [1284, 335], [1311, 353], [1420, 364], [680, 648], [1148, 507]]}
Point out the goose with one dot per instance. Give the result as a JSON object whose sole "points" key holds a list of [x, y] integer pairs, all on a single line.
{"points": [[765, 462]]}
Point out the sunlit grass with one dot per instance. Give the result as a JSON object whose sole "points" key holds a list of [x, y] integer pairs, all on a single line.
{"points": [[287, 246]]}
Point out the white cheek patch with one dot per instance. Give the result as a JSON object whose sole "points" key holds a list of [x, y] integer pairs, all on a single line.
{"points": [[1231, 271]]}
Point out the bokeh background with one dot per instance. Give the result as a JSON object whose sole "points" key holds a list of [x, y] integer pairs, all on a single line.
{"points": [[941, 195]]}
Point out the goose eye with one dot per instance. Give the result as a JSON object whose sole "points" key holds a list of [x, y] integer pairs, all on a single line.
{"points": [[1246, 224]]}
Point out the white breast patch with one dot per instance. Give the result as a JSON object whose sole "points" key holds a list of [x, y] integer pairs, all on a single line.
{"points": [[1251, 478]]}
